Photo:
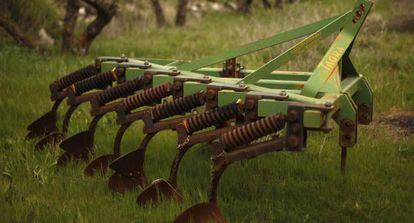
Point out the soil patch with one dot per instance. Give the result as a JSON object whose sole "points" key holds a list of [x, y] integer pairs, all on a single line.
{"points": [[399, 122]]}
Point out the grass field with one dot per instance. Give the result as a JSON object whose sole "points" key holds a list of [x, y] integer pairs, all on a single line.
{"points": [[283, 187]]}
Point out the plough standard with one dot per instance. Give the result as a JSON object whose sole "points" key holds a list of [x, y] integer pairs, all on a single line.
{"points": [[246, 113]]}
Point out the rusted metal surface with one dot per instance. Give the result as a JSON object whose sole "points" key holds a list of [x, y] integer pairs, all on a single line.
{"points": [[129, 169], [44, 124], [101, 164], [187, 137], [81, 144]]}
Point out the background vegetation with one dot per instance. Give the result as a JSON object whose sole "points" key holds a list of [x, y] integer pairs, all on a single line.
{"points": [[283, 187]]}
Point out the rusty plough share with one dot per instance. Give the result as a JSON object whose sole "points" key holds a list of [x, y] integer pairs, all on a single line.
{"points": [[247, 113]]}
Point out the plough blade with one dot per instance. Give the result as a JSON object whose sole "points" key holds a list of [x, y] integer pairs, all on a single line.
{"points": [[78, 146], [52, 139], [157, 191], [66, 158], [129, 172], [100, 165], [201, 213], [122, 184], [43, 125]]}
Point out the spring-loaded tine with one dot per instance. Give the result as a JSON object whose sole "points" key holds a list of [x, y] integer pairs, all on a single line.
{"points": [[129, 169], [45, 124], [167, 189], [101, 164], [55, 137], [234, 145], [343, 160], [80, 146]]}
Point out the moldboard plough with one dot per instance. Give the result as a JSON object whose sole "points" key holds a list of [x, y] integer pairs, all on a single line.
{"points": [[246, 113]]}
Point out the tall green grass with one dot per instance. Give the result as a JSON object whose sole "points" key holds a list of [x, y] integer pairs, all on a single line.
{"points": [[282, 187]]}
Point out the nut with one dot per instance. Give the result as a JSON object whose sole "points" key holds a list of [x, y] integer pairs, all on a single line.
{"points": [[242, 84], [347, 125], [328, 104]]}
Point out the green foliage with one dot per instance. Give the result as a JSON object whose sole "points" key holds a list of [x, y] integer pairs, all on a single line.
{"points": [[282, 187], [32, 15]]}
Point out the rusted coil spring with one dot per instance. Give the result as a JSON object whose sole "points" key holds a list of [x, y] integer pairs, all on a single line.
{"points": [[120, 91], [212, 117], [75, 76], [147, 97], [247, 133], [178, 106], [98, 81]]}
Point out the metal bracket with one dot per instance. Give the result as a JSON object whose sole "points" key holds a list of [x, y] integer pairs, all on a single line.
{"points": [[295, 132], [231, 69]]}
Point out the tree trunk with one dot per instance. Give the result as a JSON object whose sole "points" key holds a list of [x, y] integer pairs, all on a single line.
{"points": [[266, 4], [402, 24], [244, 6], [159, 13], [106, 12], [180, 18], [14, 31], [279, 4], [69, 23]]}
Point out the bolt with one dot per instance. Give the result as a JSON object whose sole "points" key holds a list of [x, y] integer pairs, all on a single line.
{"points": [[347, 125], [292, 116], [283, 93], [328, 104], [174, 69], [242, 84]]}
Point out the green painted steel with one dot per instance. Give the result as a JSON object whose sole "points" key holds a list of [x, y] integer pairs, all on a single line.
{"points": [[258, 45], [313, 119], [298, 48], [326, 77], [227, 96], [334, 87]]}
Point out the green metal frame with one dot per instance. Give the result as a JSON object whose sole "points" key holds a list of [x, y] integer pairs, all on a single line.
{"points": [[334, 83]]}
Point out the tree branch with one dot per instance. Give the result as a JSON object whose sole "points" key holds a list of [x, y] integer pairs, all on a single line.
{"points": [[106, 12], [69, 23], [14, 31], [159, 13], [180, 18]]}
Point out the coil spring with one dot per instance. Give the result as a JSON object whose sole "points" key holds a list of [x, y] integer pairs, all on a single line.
{"points": [[178, 106], [147, 97], [247, 133], [76, 76], [120, 91], [212, 117], [98, 81]]}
